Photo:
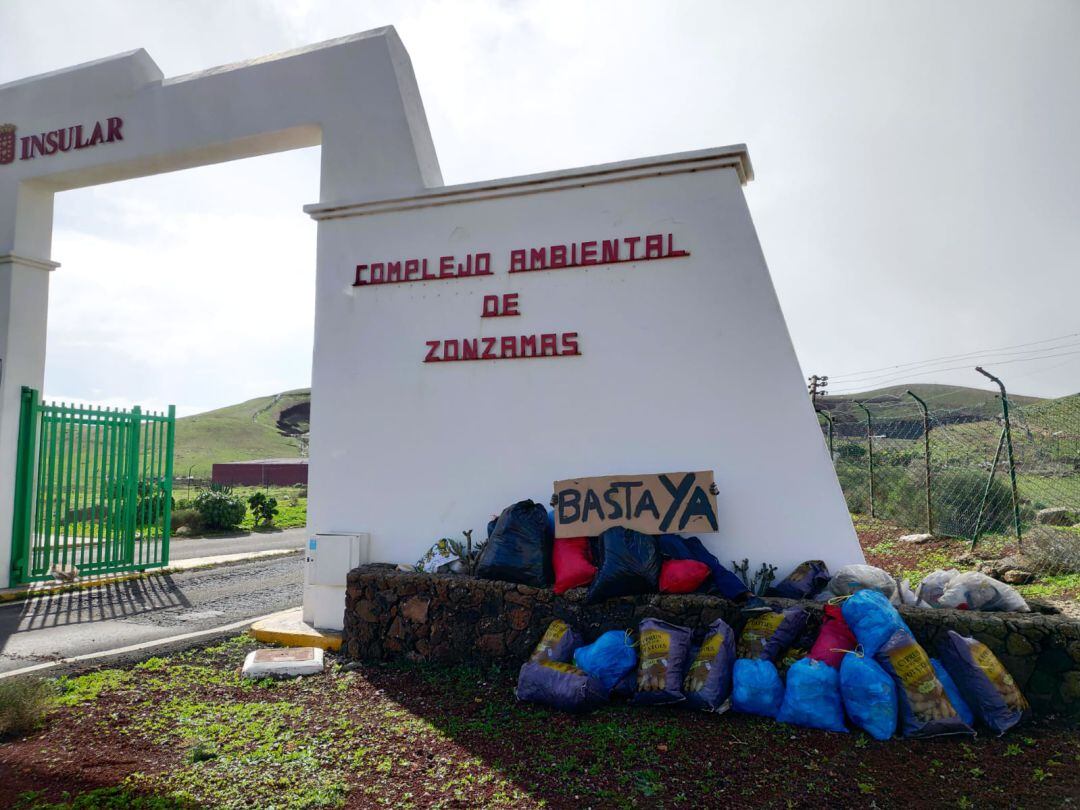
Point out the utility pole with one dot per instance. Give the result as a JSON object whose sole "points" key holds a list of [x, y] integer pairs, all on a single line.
{"points": [[817, 387]]}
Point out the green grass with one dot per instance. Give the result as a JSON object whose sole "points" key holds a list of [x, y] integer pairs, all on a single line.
{"points": [[1052, 587], [236, 433], [291, 506]]}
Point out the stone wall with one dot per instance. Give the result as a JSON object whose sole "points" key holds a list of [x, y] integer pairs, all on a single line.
{"points": [[452, 619]]}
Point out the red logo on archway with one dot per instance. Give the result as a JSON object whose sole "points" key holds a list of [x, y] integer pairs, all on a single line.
{"points": [[7, 143]]}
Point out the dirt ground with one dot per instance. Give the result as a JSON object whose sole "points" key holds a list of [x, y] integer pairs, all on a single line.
{"points": [[189, 732]]}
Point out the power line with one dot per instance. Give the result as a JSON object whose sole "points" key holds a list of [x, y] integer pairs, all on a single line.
{"points": [[983, 357], [950, 357], [908, 375]]}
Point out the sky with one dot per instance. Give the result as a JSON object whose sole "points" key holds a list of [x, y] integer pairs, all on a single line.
{"points": [[915, 195]]}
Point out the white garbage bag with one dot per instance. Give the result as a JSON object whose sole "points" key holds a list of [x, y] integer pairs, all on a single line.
{"points": [[934, 585], [852, 578], [974, 591], [439, 559], [904, 594]]}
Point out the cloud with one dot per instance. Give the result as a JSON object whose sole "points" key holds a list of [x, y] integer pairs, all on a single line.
{"points": [[916, 169]]}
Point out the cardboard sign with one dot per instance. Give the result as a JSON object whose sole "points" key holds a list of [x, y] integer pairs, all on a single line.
{"points": [[660, 503]]}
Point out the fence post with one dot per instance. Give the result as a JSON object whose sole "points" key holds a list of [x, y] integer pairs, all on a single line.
{"points": [[131, 486], [870, 452], [926, 457], [170, 441], [828, 418], [986, 492], [24, 485], [1009, 448]]}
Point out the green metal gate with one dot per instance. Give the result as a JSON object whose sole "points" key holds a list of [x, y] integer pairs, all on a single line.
{"points": [[93, 489]]}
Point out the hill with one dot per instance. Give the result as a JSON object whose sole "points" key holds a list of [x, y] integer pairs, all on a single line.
{"points": [[948, 402], [267, 427]]}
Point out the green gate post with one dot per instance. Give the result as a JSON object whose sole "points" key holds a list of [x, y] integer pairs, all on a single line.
{"points": [[1009, 448], [131, 486], [170, 436], [870, 453], [926, 457], [24, 484]]}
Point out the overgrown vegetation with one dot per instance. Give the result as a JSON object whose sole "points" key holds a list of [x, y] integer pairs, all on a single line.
{"points": [[23, 703], [219, 508]]}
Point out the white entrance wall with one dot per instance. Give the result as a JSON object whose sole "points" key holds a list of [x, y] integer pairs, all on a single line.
{"points": [[356, 96], [685, 362]]}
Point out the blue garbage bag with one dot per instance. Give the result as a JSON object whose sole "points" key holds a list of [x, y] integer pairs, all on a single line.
{"points": [[559, 685], [756, 687], [869, 695], [608, 658], [722, 582], [872, 619], [812, 696], [955, 698]]}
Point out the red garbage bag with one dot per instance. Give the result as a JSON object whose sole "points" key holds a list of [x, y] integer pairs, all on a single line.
{"points": [[682, 576], [573, 567], [834, 639]]}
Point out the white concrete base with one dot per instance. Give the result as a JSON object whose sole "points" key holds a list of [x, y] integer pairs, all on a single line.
{"points": [[283, 663]]}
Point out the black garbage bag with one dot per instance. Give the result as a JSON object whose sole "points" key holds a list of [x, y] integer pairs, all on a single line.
{"points": [[629, 564], [805, 582], [519, 547]]}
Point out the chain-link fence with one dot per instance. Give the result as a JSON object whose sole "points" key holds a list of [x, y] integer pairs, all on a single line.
{"points": [[951, 470]]}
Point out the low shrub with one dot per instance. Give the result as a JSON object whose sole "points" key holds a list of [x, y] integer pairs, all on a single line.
{"points": [[220, 509], [188, 518], [263, 508], [23, 703]]}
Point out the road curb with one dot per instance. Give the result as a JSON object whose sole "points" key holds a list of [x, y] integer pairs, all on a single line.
{"points": [[225, 629], [287, 627]]}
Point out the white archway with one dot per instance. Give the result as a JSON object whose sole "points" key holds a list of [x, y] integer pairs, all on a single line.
{"points": [[119, 118]]}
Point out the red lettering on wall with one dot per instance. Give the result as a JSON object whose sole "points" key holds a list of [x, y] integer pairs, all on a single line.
{"points": [[359, 278], [507, 347], [517, 261]]}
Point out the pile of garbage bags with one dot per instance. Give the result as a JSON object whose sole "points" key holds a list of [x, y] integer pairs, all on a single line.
{"points": [[521, 547], [862, 669]]}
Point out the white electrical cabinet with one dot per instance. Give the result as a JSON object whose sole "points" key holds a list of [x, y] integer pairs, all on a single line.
{"points": [[329, 559]]}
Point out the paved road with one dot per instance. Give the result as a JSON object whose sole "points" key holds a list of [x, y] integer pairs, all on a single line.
{"points": [[185, 549], [51, 627]]}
